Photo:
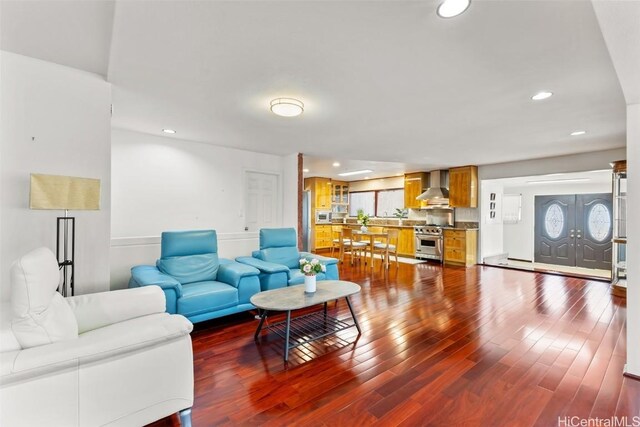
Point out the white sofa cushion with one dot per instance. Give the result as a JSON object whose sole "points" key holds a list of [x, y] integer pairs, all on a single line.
{"points": [[93, 311], [42, 314]]}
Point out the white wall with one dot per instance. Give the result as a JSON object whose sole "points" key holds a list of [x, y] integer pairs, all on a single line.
{"points": [[519, 238], [633, 235], [162, 183], [597, 160], [491, 230], [52, 116]]}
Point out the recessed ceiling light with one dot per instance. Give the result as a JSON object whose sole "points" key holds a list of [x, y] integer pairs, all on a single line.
{"points": [[305, 170], [451, 8], [171, 131], [578, 132], [287, 107], [336, 164], [355, 172], [541, 95]]}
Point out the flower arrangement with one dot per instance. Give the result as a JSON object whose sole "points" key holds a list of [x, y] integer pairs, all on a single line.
{"points": [[363, 219], [311, 267]]}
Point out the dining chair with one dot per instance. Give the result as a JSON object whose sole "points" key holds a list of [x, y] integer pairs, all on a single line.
{"points": [[389, 246], [357, 248], [336, 240]]}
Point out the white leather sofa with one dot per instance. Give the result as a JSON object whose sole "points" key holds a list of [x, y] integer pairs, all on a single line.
{"points": [[112, 358]]}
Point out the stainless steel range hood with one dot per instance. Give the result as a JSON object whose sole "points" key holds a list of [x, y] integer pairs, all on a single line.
{"points": [[437, 194]]}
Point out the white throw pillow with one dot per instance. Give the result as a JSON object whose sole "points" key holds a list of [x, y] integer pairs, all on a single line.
{"points": [[42, 314]]}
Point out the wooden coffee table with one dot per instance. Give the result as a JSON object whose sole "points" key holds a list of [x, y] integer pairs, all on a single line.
{"points": [[308, 327]]}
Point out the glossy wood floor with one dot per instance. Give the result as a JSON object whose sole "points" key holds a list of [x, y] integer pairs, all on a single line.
{"points": [[481, 346]]}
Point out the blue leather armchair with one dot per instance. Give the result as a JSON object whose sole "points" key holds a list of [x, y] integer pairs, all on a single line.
{"points": [[279, 260], [196, 283]]}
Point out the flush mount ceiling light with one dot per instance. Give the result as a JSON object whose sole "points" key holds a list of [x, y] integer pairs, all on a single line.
{"points": [[578, 132], [305, 170], [355, 172], [287, 107], [451, 8], [336, 164], [171, 131], [541, 95]]}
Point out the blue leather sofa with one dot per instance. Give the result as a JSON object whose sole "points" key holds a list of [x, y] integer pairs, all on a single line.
{"points": [[196, 283], [278, 260]]}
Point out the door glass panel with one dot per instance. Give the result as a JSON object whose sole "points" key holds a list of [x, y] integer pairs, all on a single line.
{"points": [[599, 222], [554, 221]]}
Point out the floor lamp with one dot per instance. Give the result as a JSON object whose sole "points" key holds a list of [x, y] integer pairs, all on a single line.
{"points": [[65, 193]]}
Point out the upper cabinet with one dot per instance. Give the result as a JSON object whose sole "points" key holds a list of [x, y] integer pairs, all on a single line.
{"points": [[339, 196], [463, 187], [320, 192], [414, 185]]}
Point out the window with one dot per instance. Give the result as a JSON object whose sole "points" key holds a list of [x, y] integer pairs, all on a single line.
{"points": [[512, 208], [388, 202], [365, 200]]}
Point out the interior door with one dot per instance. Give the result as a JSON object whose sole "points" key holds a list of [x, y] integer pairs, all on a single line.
{"points": [[594, 230], [555, 226], [262, 196]]}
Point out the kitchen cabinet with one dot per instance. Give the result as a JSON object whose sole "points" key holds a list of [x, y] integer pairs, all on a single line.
{"points": [[322, 236], [323, 193], [339, 197], [460, 247], [407, 242], [414, 185], [463, 187]]}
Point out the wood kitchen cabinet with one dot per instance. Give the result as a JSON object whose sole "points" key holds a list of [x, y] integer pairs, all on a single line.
{"points": [[460, 247], [320, 189], [407, 242], [323, 193], [322, 236], [414, 185], [463, 187]]}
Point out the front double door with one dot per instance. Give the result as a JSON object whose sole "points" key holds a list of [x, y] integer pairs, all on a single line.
{"points": [[574, 230]]}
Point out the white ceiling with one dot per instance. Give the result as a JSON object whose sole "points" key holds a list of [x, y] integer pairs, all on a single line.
{"points": [[384, 81]]}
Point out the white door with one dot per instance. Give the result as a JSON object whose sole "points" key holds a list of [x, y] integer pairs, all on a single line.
{"points": [[261, 196]]}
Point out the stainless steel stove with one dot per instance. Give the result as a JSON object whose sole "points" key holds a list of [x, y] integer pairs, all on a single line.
{"points": [[428, 242]]}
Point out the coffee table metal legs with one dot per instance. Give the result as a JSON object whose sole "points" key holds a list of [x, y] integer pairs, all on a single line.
{"points": [[287, 326], [286, 339], [263, 315], [353, 314]]}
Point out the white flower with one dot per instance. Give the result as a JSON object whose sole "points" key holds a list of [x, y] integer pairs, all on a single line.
{"points": [[303, 261], [314, 261], [306, 268], [324, 268]]}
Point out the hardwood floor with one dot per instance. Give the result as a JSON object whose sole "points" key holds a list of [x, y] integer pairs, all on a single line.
{"points": [[440, 346]]}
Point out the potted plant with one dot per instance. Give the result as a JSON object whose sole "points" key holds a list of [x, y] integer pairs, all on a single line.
{"points": [[363, 220], [400, 213], [311, 267]]}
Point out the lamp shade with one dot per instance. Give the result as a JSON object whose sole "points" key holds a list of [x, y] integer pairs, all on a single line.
{"points": [[64, 192]]}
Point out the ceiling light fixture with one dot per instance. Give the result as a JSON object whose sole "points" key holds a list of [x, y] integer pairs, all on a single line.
{"points": [[355, 172], [578, 132], [451, 8], [171, 131], [541, 95], [287, 107], [305, 170], [558, 181], [336, 164]]}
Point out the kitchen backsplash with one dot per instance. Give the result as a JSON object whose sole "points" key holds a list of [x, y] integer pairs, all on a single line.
{"points": [[467, 215]]}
